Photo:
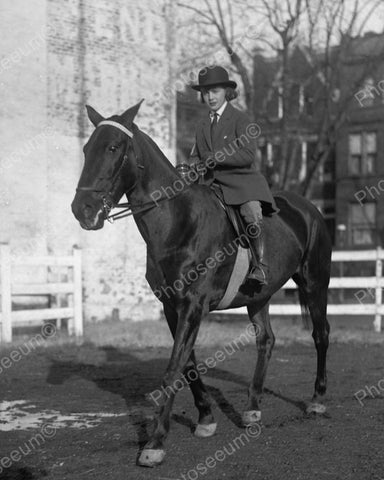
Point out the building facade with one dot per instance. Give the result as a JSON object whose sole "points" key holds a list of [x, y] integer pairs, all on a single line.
{"points": [[360, 149], [56, 57], [348, 187]]}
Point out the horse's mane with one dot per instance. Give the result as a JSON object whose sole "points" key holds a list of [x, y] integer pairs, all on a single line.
{"points": [[152, 147]]}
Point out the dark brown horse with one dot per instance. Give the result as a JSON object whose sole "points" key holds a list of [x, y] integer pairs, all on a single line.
{"points": [[183, 228]]}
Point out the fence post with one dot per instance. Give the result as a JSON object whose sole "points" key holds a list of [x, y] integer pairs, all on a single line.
{"points": [[378, 291], [6, 294], [77, 294]]}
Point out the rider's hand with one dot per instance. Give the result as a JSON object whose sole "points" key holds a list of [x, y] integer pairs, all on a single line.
{"points": [[200, 167], [206, 156]]}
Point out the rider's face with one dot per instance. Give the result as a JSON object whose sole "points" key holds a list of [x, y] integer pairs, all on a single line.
{"points": [[214, 97]]}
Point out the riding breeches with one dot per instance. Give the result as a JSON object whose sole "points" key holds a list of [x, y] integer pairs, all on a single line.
{"points": [[251, 212]]}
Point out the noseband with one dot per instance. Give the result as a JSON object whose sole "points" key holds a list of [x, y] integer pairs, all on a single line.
{"points": [[106, 197]]}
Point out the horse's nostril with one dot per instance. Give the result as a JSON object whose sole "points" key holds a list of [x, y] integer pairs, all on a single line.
{"points": [[87, 210]]}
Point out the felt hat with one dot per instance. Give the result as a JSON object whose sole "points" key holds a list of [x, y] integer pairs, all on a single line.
{"points": [[211, 76]]}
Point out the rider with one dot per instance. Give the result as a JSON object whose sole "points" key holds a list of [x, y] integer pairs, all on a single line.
{"points": [[225, 150]]}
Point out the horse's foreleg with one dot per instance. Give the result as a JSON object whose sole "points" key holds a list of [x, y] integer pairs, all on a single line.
{"points": [[265, 341], [206, 424], [186, 332]]}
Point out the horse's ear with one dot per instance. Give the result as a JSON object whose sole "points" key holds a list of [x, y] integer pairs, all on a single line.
{"points": [[129, 115], [94, 116]]}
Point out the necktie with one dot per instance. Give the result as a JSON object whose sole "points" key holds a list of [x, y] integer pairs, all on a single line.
{"points": [[214, 128]]}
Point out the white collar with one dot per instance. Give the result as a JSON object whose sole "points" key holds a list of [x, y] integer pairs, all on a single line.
{"points": [[219, 111]]}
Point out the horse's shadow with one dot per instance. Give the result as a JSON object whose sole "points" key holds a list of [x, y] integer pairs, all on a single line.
{"points": [[134, 379], [22, 473]]}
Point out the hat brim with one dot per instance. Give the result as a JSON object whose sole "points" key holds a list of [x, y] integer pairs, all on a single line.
{"points": [[230, 83]]}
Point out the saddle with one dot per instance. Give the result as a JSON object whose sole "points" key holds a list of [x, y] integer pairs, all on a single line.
{"points": [[234, 217]]}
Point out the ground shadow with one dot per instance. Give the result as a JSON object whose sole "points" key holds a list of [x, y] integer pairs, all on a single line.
{"points": [[23, 473], [133, 379], [300, 404]]}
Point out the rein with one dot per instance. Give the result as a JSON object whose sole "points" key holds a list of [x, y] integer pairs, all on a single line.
{"points": [[106, 197]]}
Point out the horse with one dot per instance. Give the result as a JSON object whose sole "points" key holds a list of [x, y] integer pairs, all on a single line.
{"points": [[182, 228]]}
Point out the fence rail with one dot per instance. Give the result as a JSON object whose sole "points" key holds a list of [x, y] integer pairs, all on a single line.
{"points": [[374, 285], [9, 288]]}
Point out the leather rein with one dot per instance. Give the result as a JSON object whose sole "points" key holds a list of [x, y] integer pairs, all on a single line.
{"points": [[106, 197]]}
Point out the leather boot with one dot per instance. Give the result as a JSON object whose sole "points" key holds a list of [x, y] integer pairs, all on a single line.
{"points": [[258, 271]]}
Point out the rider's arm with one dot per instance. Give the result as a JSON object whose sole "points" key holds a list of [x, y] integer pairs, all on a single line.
{"points": [[241, 148]]}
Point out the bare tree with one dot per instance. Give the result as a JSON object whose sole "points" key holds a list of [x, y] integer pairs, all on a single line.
{"points": [[324, 30], [284, 18], [328, 62], [218, 15]]}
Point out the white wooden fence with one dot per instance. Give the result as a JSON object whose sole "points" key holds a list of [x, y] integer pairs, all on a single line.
{"points": [[8, 318], [8, 289], [372, 285]]}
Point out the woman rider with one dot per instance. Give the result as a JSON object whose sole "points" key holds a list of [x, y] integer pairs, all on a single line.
{"points": [[226, 151]]}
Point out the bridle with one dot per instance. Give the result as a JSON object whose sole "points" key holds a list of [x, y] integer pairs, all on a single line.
{"points": [[107, 196]]}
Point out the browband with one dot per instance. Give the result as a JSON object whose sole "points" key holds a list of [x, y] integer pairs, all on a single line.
{"points": [[117, 125]]}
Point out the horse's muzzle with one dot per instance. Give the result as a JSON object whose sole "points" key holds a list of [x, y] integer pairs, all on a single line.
{"points": [[90, 217], [95, 225]]}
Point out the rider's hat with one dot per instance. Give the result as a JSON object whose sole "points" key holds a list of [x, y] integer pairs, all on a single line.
{"points": [[211, 76]]}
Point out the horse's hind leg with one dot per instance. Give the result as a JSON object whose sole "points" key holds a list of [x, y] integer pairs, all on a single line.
{"points": [[317, 304], [265, 341], [314, 299]]}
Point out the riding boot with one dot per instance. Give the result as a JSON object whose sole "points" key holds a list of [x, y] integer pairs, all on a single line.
{"points": [[258, 271]]}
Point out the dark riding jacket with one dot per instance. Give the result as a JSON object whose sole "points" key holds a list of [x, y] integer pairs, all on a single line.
{"points": [[232, 159]]}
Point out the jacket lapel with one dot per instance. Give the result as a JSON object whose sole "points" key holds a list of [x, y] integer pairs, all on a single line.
{"points": [[224, 119], [207, 131]]}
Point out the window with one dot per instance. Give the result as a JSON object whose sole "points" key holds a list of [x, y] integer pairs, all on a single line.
{"points": [[362, 153], [370, 152], [369, 89], [280, 103], [362, 224], [308, 102], [301, 99]]}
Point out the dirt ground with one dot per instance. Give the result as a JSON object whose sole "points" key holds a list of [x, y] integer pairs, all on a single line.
{"points": [[83, 411]]}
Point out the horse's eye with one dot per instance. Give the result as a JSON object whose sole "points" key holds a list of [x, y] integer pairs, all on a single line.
{"points": [[112, 148]]}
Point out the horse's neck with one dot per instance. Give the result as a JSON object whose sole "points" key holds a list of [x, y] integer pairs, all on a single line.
{"points": [[157, 175], [158, 181]]}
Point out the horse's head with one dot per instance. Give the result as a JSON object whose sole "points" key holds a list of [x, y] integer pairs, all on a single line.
{"points": [[110, 167]]}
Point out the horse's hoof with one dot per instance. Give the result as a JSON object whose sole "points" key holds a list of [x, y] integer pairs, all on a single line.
{"points": [[151, 457], [251, 417], [315, 407], [204, 431]]}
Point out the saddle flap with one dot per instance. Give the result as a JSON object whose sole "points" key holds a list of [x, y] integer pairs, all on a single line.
{"points": [[234, 217]]}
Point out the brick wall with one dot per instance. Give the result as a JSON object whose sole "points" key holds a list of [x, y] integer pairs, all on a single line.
{"points": [[102, 53]]}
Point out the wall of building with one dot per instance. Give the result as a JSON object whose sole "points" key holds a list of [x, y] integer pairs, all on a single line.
{"points": [[108, 55], [360, 188]]}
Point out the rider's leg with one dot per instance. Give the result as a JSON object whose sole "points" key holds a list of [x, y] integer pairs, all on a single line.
{"points": [[252, 213]]}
